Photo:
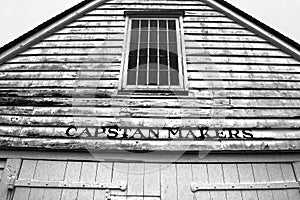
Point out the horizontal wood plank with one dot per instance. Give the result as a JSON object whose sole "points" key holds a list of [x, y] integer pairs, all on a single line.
{"points": [[228, 44], [147, 122], [170, 146], [65, 83], [85, 37], [220, 31], [70, 51], [119, 30], [222, 84], [224, 38], [162, 112], [240, 59], [154, 5], [60, 67], [236, 52], [207, 19], [81, 44], [60, 75], [67, 58]]}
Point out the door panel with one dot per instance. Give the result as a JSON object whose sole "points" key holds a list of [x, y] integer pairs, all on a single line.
{"points": [[66, 180]]}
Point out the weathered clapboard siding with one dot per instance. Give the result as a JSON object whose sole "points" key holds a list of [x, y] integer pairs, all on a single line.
{"points": [[87, 36], [236, 79], [81, 44], [235, 52], [114, 74], [60, 75], [72, 51], [140, 102], [154, 112], [207, 19], [174, 122], [154, 180], [63, 58], [227, 38], [219, 44], [109, 83], [42, 67]]}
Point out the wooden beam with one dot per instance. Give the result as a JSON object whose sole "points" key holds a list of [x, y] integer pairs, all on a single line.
{"points": [[11, 172], [148, 145]]}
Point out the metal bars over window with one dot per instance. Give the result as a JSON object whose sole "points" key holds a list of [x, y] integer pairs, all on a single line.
{"points": [[153, 58]]}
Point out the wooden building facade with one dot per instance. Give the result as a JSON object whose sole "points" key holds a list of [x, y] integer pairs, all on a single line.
{"points": [[150, 100]]}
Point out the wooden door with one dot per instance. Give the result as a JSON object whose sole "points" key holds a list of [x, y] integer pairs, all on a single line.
{"points": [[67, 180]]}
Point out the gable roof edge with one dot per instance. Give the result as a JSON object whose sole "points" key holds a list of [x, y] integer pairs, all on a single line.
{"points": [[273, 36], [20, 44]]}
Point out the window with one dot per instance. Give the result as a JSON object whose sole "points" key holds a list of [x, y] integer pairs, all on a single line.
{"points": [[153, 56]]}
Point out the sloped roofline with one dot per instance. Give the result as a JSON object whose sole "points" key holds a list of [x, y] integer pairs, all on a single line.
{"points": [[43, 30], [260, 24]]}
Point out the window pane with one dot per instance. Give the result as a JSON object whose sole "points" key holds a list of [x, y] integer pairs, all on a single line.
{"points": [[144, 36], [143, 59], [142, 77], [174, 78], [173, 62], [133, 49], [153, 24], [132, 63], [134, 31], [172, 25], [163, 60], [173, 48], [162, 31], [172, 37], [163, 47], [134, 36], [153, 52], [162, 24], [153, 31], [163, 36], [163, 78], [144, 25], [153, 65], [135, 24], [153, 78], [143, 63], [131, 77]]}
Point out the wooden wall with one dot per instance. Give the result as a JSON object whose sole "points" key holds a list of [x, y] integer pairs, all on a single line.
{"points": [[236, 78]]}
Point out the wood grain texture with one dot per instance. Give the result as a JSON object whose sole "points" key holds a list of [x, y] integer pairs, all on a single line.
{"points": [[246, 175], [261, 176], [231, 175], [184, 179], [169, 187], [152, 179], [200, 174], [73, 170], [9, 173], [57, 173]]}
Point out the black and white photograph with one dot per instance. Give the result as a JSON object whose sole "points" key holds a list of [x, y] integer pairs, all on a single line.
{"points": [[150, 100]]}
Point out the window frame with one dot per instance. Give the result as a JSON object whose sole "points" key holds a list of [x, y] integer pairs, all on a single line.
{"points": [[182, 68]]}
